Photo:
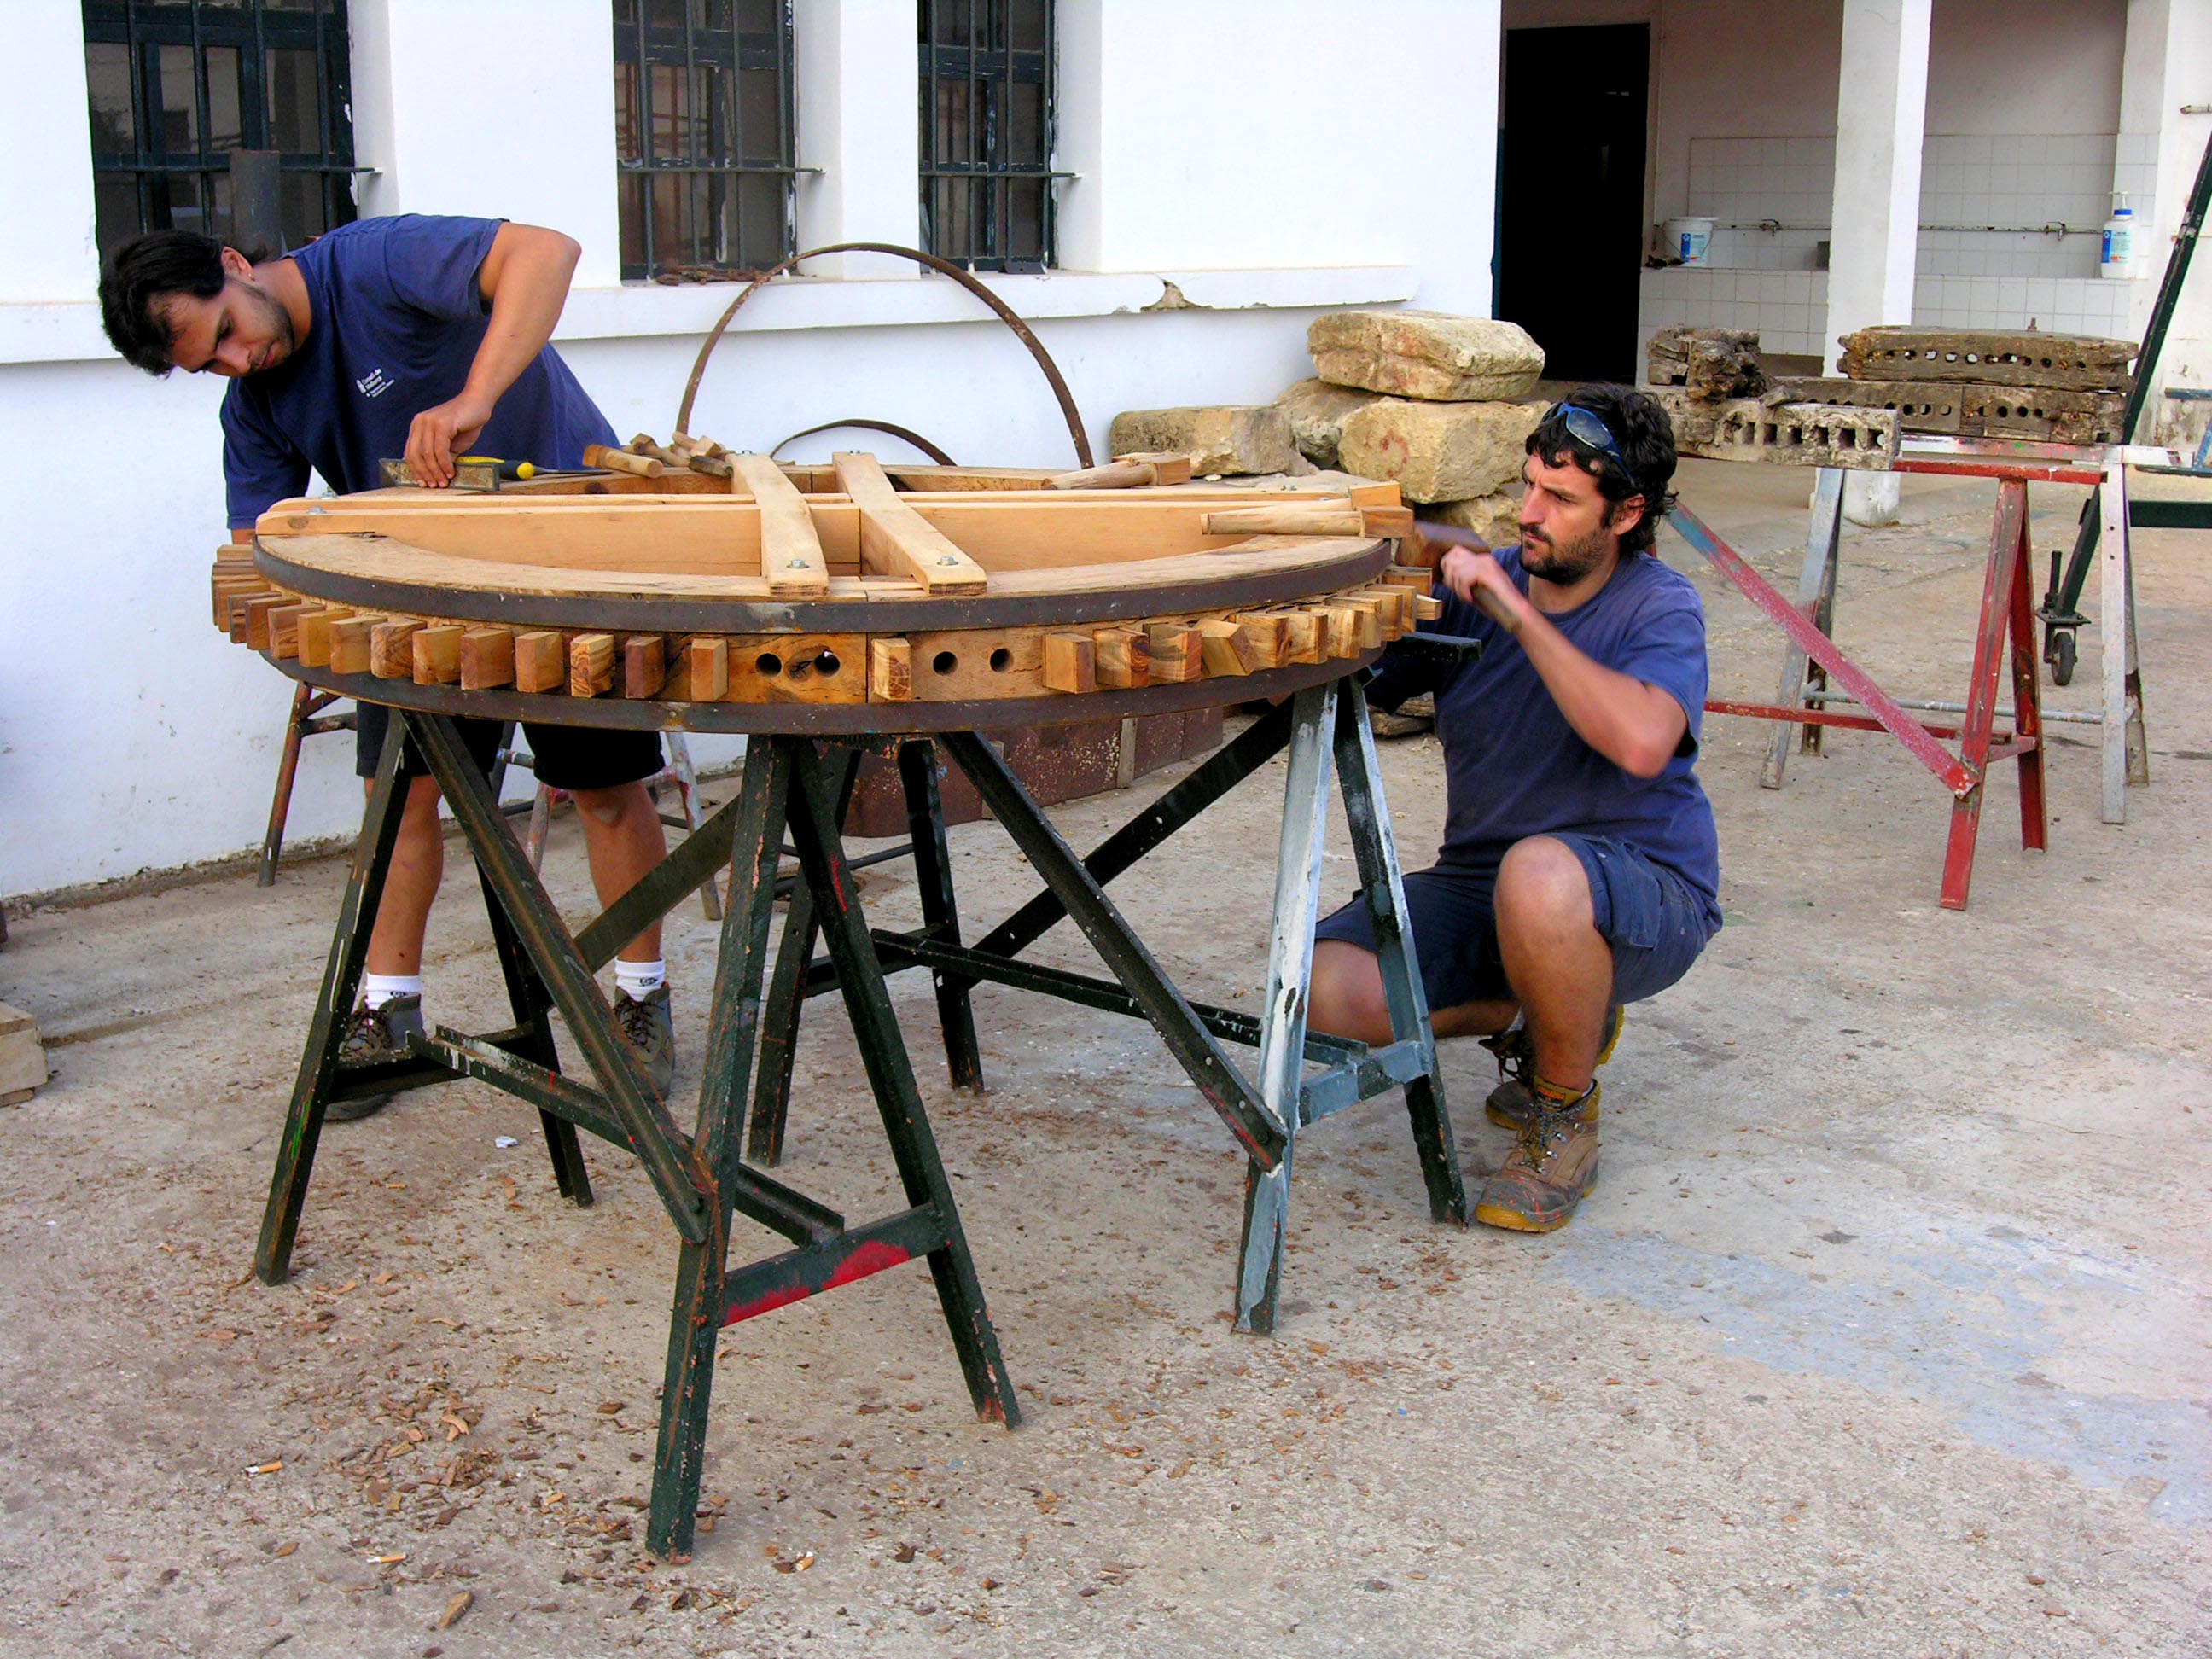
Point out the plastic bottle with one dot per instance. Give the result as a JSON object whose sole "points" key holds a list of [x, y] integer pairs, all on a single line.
{"points": [[2117, 257]]}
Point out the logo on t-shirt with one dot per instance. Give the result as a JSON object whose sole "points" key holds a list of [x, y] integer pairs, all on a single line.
{"points": [[374, 384]]}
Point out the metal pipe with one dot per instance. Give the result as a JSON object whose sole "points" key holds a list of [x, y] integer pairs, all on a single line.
{"points": [[1814, 693]]}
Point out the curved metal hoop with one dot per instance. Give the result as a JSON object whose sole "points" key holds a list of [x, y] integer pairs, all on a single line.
{"points": [[1005, 313], [898, 432]]}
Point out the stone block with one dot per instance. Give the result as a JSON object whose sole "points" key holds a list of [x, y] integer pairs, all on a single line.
{"points": [[1315, 410], [1496, 517], [1236, 439], [1438, 452], [1429, 355]]}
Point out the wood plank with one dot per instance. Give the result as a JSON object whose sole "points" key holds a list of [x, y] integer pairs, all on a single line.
{"points": [[1174, 652], [1374, 494], [1410, 575], [791, 562], [828, 668], [437, 655], [284, 629], [1070, 662], [591, 665], [645, 665], [1297, 518], [709, 657], [957, 664], [487, 659], [1119, 659], [352, 641], [392, 649], [315, 634], [899, 541], [541, 661], [1266, 636], [1223, 650], [890, 670]]}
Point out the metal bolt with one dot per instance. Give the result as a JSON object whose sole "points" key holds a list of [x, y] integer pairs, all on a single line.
{"points": [[948, 559], [797, 564]]}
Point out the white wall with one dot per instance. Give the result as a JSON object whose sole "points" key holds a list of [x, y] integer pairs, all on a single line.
{"points": [[1270, 174]]}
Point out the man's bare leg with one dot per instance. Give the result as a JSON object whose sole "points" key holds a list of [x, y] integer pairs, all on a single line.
{"points": [[1555, 958], [411, 886], [623, 839], [1346, 999]]}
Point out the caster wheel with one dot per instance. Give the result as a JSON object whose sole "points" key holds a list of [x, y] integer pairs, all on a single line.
{"points": [[2062, 657]]}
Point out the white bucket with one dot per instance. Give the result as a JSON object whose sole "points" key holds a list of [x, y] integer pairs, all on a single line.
{"points": [[1688, 239]]}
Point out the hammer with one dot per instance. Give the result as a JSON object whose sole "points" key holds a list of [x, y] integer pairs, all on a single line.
{"points": [[1485, 601]]}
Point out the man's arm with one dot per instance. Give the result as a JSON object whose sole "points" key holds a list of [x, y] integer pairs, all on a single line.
{"points": [[524, 280], [1637, 726]]}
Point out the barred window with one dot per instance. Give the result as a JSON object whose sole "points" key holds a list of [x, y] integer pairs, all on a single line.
{"points": [[704, 136], [176, 85], [986, 97]]}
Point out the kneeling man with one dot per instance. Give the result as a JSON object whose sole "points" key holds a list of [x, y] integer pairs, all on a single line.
{"points": [[1579, 870]]}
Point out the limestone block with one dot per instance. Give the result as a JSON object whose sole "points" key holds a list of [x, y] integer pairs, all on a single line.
{"points": [[1234, 438], [1496, 519], [1430, 354], [1438, 452], [1315, 410]]}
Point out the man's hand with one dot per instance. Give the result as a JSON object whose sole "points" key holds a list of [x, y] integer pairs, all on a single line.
{"points": [[440, 436], [1481, 582]]}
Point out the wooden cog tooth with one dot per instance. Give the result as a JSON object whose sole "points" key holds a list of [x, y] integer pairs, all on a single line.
{"points": [[392, 650], [591, 665], [890, 670], [487, 659], [437, 655], [1070, 663], [709, 658], [541, 662], [352, 644], [645, 665]]}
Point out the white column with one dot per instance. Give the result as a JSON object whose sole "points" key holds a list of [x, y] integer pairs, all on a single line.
{"points": [[46, 201], [857, 86], [1882, 105], [2169, 48]]}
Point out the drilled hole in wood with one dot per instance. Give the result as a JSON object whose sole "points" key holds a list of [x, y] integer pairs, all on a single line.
{"points": [[1001, 660], [827, 664], [769, 663], [945, 662]]}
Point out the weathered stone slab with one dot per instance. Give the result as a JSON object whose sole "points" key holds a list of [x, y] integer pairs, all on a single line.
{"points": [[1234, 438], [1706, 362], [1992, 356], [1966, 410], [1792, 435], [1315, 410], [1496, 517], [1429, 355], [1438, 452]]}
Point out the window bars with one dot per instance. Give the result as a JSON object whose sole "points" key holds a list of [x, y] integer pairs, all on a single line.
{"points": [[986, 131], [704, 136]]}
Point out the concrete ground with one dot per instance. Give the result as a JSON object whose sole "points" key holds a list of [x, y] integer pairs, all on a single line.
{"points": [[1884, 1334]]}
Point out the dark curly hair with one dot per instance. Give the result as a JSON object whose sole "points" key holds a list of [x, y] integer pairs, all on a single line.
{"points": [[135, 288], [1645, 439]]}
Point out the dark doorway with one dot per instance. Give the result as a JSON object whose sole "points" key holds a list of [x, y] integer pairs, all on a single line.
{"points": [[1571, 195]]}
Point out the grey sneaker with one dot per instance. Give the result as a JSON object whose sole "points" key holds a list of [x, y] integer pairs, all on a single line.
{"points": [[647, 1026], [1510, 1106], [375, 1034]]}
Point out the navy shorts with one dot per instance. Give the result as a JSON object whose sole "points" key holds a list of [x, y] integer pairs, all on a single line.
{"points": [[1655, 922], [566, 757]]}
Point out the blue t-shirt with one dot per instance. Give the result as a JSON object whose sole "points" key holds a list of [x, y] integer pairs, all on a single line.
{"points": [[395, 320], [1514, 767]]}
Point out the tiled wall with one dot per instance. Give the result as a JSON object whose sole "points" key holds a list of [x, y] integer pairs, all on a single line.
{"points": [[1980, 264]]}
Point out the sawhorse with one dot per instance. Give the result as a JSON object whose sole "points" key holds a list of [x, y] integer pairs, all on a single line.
{"points": [[703, 1179]]}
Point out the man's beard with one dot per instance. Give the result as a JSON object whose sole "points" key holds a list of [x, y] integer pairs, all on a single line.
{"points": [[1563, 567], [278, 322]]}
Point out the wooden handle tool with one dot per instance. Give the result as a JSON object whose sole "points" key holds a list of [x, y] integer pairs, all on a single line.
{"points": [[1485, 601], [621, 460]]}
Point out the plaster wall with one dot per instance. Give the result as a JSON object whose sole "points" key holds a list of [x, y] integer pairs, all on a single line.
{"points": [[1204, 175]]}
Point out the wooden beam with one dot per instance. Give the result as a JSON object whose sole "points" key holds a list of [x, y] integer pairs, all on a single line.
{"points": [[898, 541], [710, 668], [791, 562], [487, 659], [591, 665], [1070, 662], [540, 662], [1292, 519]]}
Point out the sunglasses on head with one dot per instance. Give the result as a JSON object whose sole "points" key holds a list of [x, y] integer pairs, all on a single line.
{"points": [[1591, 432]]}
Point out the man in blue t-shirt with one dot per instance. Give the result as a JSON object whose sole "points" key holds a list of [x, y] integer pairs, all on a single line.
{"points": [[1579, 870], [427, 338]]}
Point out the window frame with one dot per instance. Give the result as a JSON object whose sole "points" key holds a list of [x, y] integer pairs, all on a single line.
{"points": [[640, 51], [1004, 67], [253, 28]]}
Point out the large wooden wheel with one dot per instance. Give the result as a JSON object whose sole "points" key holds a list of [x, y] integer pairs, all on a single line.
{"points": [[842, 597]]}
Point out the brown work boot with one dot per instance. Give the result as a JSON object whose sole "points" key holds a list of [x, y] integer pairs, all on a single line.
{"points": [[1537, 1188], [1509, 1105], [374, 1034]]}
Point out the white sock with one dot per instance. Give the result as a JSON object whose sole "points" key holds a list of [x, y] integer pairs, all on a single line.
{"points": [[639, 979], [377, 990]]}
